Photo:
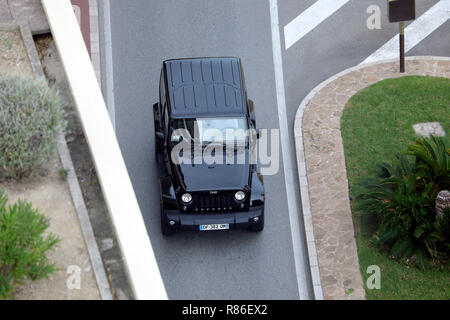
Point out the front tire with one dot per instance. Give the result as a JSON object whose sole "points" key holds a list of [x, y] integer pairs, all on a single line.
{"points": [[258, 227]]}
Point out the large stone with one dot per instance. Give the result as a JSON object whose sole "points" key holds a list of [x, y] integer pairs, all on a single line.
{"points": [[442, 202], [427, 129]]}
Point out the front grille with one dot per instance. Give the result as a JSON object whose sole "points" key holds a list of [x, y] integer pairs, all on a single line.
{"points": [[210, 203]]}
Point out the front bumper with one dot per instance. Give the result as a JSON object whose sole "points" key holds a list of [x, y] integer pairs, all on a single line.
{"points": [[192, 221]]}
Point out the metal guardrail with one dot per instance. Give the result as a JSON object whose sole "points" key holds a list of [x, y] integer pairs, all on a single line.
{"points": [[117, 189]]}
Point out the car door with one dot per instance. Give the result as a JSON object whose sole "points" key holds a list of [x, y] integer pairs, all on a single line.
{"points": [[158, 113]]}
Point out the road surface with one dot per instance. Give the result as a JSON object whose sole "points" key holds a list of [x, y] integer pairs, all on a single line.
{"points": [[237, 264]]}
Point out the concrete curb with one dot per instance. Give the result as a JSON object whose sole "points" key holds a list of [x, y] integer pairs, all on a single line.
{"points": [[85, 223], [75, 190], [301, 164]]}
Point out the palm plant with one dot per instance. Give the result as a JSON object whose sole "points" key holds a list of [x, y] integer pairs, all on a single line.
{"points": [[432, 161], [402, 196]]}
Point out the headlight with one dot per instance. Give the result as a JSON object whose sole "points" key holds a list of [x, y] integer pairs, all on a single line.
{"points": [[239, 196], [186, 198]]}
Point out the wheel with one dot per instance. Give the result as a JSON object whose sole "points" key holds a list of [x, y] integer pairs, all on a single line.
{"points": [[165, 229], [258, 227], [157, 149]]}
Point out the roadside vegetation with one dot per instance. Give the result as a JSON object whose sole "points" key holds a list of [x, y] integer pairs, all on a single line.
{"points": [[24, 245], [31, 118], [394, 178]]}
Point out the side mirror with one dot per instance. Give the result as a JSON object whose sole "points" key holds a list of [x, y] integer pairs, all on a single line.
{"points": [[251, 111], [160, 136], [251, 106], [257, 133]]}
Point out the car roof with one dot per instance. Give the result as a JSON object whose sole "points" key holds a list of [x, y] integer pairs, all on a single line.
{"points": [[205, 87]]}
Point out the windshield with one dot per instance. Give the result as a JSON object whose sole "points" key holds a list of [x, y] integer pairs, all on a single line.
{"points": [[211, 130]]}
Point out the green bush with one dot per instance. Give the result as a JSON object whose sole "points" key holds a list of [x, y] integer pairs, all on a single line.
{"points": [[402, 198], [23, 245], [31, 116], [432, 161]]}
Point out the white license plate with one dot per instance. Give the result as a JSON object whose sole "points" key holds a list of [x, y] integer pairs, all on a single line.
{"points": [[210, 227]]}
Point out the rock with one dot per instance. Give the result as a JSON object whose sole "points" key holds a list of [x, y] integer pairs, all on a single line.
{"points": [[442, 202], [428, 129]]}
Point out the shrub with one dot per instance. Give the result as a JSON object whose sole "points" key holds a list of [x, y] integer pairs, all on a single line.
{"points": [[402, 197], [432, 161], [23, 245], [442, 232], [31, 116]]}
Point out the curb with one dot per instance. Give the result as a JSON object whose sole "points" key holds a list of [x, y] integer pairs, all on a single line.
{"points": [[75, 190], [301, 164]]}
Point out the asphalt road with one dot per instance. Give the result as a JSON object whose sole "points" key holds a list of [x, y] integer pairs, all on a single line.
{"points": [[233, 265], [341, 42], [222, 265]]}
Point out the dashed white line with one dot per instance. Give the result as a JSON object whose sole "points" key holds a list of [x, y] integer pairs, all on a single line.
{"points": [[309, 19], [298, 242], [415, 32]]}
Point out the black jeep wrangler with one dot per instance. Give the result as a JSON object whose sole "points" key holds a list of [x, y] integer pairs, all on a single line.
{"points": [[197, 95]]}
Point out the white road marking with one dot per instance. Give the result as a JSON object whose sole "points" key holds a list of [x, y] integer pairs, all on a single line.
{"points": [[298, 242], [415, 32], [309, 19]]}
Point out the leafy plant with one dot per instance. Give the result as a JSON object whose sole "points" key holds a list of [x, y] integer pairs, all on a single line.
{"points": [[402, 197], [63, 173], [31, 117], [432, 161], [23, 245], [442, 232]]}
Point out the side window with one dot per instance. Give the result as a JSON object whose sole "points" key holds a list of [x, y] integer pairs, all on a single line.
{"points": [[162, 91], [162, 99]]}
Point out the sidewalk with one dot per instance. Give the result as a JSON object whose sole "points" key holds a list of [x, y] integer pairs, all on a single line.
{"points": [[323, 176], [29, 11]]}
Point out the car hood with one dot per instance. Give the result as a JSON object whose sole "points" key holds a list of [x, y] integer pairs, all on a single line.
{"points": [[204, 177]]}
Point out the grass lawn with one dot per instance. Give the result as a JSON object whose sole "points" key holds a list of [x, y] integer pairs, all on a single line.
{"points": [[399, 281], [377, 122]]}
